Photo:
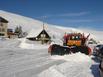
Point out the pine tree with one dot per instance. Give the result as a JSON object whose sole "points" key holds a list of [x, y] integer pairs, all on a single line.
{"points": [[18, 31]]}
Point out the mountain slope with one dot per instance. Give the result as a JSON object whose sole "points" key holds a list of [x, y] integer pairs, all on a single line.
{"points": [[18, 20], [29, 24]]}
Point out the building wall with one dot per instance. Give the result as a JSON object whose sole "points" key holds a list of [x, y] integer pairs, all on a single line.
{"points": [[3, 29]]}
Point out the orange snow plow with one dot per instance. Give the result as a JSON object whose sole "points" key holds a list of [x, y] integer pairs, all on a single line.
{"points": [[72, 43]]}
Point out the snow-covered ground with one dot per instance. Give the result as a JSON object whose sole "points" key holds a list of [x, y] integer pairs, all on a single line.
{"points": [[76, 65], [31, 45], [19, 62]]}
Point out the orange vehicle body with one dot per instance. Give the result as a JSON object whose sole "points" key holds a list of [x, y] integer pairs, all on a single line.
{"points": [[74, 39], [72, 43]]}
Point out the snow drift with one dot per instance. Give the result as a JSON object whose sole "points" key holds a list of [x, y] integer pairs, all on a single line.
{"points": [[26, 45], [77, 57], [77, 65]]}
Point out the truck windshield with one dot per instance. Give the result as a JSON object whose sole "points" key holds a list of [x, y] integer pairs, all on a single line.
{"points": [[75, 38]]}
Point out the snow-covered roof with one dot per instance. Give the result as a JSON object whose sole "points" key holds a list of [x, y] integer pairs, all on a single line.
{"points": [[3, 20], [35, 32]]}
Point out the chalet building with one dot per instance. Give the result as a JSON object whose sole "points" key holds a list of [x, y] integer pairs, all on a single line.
{"points": [[11, 34], [39, 35], [3, 27]]}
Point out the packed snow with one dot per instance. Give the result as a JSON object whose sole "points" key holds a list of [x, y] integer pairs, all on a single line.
{"points": [[18, 62], [77, 65], [77, 57], [29, 45], [21, 62]]}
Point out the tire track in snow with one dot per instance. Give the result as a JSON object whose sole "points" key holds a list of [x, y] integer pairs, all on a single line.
{"points": [[27, 66], [33, 71], [21, 59]]}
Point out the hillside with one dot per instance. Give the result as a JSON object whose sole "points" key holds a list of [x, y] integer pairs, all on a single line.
{"points": [[29, 24]]}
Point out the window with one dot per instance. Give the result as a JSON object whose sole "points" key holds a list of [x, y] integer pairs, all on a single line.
{"points": [[43, 35], [0, 29], [1, 24], [73, 37], [3, 30], [1, 34]]}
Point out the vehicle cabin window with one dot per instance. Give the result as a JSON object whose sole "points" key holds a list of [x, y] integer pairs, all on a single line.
{"points": [[75, 38]]}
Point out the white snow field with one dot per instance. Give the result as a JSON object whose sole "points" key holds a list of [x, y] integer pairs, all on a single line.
{"points": [[19, 62], [20, 58]]}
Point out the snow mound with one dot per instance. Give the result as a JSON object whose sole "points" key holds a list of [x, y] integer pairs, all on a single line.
{"points": [[25, 45], [76, 69], [76, 65], [77, 57], [51, 72]]}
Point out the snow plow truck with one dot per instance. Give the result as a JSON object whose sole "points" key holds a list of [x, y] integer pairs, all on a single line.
{"points": [[72, 43]]}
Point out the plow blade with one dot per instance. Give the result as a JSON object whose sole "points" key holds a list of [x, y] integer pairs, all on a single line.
{"points": [[62, 50]]}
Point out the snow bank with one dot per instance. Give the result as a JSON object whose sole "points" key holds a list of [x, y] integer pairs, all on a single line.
{"points": [[77, 57], [76, 69], [25, 45], [101, 42], [68, 70], [32, 46], [51, 72], [77, 65]]}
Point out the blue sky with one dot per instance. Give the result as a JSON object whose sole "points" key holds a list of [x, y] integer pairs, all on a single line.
{"points": [[70, 13]]}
